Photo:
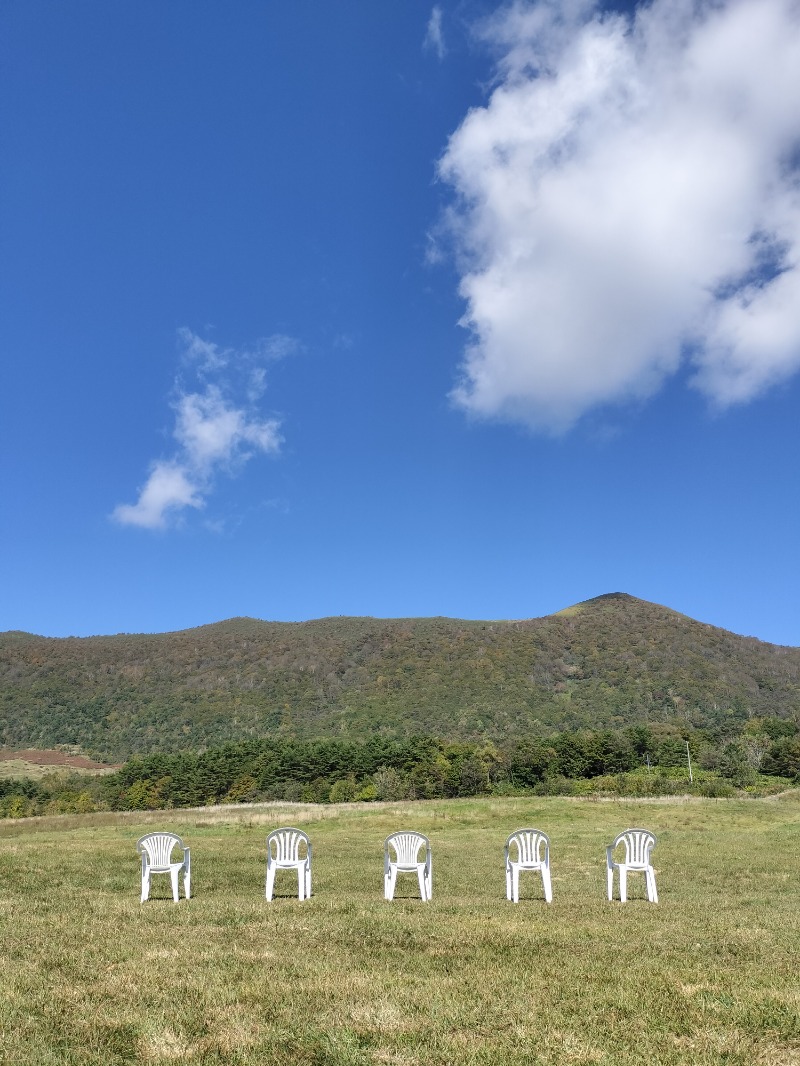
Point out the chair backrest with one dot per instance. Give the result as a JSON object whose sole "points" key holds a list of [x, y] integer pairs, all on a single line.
{"points": [[638, 845], [285, 844], [532, 845], [159, 847], [406, 847]]}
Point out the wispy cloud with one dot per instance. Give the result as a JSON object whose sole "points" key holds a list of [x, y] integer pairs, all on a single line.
{"points": [[434, 37], [217, 427], [627, 201]]}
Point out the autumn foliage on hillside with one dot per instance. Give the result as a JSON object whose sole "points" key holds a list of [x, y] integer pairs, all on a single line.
{"points": [[606, 664]]}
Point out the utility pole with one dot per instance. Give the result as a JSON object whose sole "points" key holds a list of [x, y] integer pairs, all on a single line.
{"points": [[689, 760]]}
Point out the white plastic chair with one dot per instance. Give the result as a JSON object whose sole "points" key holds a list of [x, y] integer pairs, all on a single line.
{"points": [[638, 844], [406, 848], [289, 849], [156, 852], [532, 849]]}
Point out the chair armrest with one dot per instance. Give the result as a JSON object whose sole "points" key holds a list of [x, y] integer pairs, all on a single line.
{"points": [[187, 859], [308, 854], [609, 855]]}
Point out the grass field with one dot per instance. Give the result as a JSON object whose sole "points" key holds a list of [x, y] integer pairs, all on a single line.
{"points": [[709, 975]]}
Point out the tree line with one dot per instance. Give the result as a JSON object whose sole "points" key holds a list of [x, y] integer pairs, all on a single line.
{"points": [[637, 760]]}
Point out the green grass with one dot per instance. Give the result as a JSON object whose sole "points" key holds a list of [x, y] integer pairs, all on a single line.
{"points": [[707, 976]]}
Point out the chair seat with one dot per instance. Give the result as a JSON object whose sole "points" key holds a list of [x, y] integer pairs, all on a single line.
{"points": [[165, 869]]}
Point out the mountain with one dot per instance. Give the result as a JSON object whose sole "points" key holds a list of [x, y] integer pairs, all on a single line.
{"points": [[604, 663]]}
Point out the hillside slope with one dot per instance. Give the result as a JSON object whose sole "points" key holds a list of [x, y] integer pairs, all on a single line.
{"points": [[607, 662]]}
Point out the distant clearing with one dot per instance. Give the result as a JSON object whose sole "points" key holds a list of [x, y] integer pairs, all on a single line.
{"points": [[35, 762]]}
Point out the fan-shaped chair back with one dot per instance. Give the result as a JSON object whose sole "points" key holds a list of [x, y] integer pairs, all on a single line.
{"points": [[638, 844], [159, 848], [406, 848], [285, 846], [532, 846]]}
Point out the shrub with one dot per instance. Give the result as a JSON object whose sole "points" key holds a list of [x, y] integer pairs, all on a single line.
{"points": [[345, 790], [716, 788], [390, 785]]}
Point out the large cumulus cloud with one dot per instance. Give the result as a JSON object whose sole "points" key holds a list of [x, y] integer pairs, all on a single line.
{"points": [[627, 201]]}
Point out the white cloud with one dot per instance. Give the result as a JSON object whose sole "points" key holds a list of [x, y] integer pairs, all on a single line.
{"points": [[207, 355], [627, 200], [434, 37], [170, 488], [214, 432]]}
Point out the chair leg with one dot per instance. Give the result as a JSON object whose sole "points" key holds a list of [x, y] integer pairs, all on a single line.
{"points": [[547, 885], [308, 882], [173, 876], [390, 881], [508, 883], [187, 884], [270, 882], [301, 884], [652, 891], [145, 887], [515, 883], [623, 884], [610, 881], [423, 884]]}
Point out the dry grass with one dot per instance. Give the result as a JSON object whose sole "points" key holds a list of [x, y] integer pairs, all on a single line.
{"points": [[37, 763], [708, 976]]}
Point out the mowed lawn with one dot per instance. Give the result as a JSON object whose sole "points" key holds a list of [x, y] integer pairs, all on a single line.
{"points": [[709, 975]]}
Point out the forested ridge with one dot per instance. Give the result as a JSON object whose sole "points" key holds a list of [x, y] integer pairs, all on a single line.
{"points": [[607, 663]]}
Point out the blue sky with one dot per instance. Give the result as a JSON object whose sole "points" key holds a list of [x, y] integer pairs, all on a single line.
{"points": [[398, 310]]}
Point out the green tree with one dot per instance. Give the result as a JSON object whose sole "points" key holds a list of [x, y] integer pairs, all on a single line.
{"points": [[344, 790]]}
